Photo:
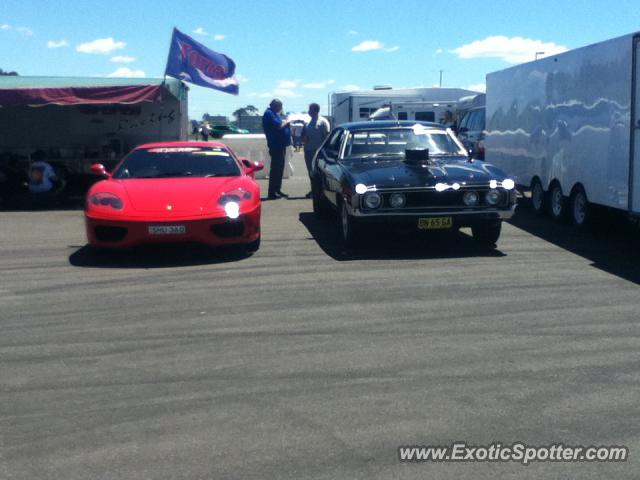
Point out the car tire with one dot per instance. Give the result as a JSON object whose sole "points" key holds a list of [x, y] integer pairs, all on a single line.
{"points": [[321, 208], [253, 247], [579, 208], [538, 197], [487, 234], [349, 228], [557, 203]]}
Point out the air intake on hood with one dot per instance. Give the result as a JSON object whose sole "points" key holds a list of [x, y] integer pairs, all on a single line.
{"points": [[416, 155]]}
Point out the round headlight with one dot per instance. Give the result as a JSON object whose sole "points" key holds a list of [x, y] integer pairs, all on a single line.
{"points": [[470, 198], [232, 209], [397, 200], [361, 188], [493, 197], [508, 184], [372, 200]]}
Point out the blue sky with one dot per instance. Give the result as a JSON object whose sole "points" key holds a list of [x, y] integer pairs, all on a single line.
{"points": [[302, 50]]}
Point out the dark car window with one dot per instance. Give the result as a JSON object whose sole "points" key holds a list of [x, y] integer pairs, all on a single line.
{"points": [[332, 147], [464, 123], [426, 116], [178, 162], [476, 120], [392, 142]]}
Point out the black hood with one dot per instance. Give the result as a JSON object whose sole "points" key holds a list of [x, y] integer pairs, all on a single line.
{"points": [[398, 174]]}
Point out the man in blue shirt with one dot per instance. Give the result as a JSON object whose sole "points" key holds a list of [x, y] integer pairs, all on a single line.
{"points": [[278, 139]]}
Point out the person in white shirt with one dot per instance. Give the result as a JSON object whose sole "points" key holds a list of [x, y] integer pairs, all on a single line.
{"points": [[313, 135]]}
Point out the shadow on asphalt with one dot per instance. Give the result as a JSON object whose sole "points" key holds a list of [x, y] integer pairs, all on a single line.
{"points": [[156, 256], [612, 243], [395, 245]]}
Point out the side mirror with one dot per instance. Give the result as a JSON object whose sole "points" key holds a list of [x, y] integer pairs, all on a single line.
{"points": [[251, 167], [100, 170]]}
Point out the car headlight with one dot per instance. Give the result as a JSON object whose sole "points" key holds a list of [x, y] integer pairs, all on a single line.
{"points": [[397, 200], [232, 209], [104, 199], [493, 197], [236, 195], [471, 198], [372, 200], [508, 184]]}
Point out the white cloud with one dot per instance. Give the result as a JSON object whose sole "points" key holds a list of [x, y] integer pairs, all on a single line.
{"points": [[285, 93], [127, 72], [5, 26], [102, 46], [287, 84], [57, 44], [318, 85], [25, 30], [478, 87], [122, 59], [439, 51], [351, 88], [509, 49], [200, 31], [219, 36], [277, 93], [369, 45], [352, 32]]}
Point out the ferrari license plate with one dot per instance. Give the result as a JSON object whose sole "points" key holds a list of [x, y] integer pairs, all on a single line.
{"points": [[435, 223], [167, 229]]}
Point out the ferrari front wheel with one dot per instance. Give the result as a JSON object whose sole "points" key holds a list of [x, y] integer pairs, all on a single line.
{"points": [[252, 247]]}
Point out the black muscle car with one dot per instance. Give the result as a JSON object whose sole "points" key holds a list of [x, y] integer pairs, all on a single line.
{"points": [[414, 174]]}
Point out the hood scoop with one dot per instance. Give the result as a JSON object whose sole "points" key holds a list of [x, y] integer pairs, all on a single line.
{"points": [[417, 156]]}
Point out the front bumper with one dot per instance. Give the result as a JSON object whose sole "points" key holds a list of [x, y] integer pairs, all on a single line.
{"points": [[216, 231], [459, 218]]}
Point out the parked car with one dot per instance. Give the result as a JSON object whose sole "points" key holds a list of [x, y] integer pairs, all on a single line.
{"points": [[412, 174], [218, 131], [176, 192], [471, 132]]}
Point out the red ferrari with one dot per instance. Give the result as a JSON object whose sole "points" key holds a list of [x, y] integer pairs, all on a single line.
{"points": [[176, 192]]}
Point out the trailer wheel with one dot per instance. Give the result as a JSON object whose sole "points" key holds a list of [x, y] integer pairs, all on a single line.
{"points": [[579, 208], [557, 204], [538, 197]]}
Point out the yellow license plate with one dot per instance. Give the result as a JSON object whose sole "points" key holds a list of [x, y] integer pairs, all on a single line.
{"points": [[435, 223]]}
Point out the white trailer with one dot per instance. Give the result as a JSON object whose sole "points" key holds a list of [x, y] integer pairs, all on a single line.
{"points": [[428, 104], [566, 127]]}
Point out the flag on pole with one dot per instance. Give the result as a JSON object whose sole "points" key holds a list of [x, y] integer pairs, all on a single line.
{"points": [[194, 63]]}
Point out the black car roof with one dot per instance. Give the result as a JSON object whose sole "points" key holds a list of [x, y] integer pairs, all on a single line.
{"points": [[370, 125]]}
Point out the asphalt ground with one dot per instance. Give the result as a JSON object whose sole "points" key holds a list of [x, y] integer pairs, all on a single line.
{"points": [[306, 361]]}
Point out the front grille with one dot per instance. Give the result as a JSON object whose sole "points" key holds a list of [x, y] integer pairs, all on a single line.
{"points": [[431, 199], [110, 234], [229, 229]]}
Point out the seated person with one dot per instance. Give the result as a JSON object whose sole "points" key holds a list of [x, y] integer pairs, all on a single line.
{"points": [[42, 177]]}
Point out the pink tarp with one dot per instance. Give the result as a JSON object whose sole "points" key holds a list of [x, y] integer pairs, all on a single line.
{"points": [[79, 95]]}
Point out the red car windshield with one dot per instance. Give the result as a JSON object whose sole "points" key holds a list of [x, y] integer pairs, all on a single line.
{"points": [[167, 162]]}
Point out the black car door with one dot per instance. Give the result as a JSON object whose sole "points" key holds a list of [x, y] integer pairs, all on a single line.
{"points": [[327, 165]]}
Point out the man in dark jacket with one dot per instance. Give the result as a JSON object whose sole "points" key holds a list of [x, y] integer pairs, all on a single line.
{"points": [[278, 139]]}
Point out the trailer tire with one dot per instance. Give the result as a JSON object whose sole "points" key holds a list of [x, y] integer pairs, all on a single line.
{"points": [[579, 208], [557, 203], [538, 197]]}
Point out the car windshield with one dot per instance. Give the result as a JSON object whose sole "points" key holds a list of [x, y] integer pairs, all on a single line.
{"points": [[178, 162], [392, 142]]}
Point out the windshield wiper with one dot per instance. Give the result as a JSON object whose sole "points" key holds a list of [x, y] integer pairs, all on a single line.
{"points": [[172, 174]]}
